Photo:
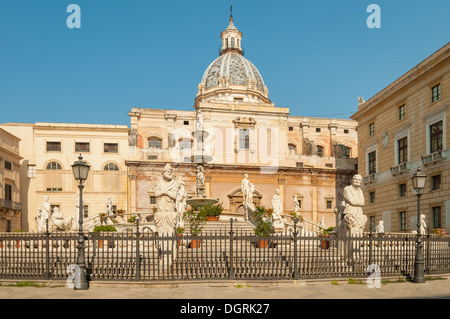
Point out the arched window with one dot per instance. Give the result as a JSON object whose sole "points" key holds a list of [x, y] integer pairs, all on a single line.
{"points": [[54, 166], [110, 167], [292, 148], [232, 43], [154, 142], [319, 150]]}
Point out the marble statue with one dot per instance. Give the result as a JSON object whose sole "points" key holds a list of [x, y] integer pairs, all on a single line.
{"points": [[296, 204], [109, 206], [43, 214], [277, 206], [360, 101], [60, 222], [422, 225], [354, 218], [250, 195], [322, 221], [166, 194], [380, 227], [245, 189], [181, 202], [201, 181]]}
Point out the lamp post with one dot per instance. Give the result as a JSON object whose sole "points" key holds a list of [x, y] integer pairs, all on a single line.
{"points": [[418, 181], [80, 171]]}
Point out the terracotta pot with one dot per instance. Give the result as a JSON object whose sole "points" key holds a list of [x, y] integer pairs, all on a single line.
{"points": [[17, 243], [100, 243], [325, 243], [263, 243], [212, 218], [195, 243]]}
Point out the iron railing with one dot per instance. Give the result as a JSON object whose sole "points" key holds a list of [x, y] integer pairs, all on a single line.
{"points": [[220, 255]]}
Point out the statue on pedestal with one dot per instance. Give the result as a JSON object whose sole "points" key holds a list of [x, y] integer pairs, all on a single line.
{"points": [[277, 206], [201, 181]]}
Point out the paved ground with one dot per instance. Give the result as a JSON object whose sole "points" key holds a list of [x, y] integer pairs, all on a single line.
{"points": [[435, 289]]}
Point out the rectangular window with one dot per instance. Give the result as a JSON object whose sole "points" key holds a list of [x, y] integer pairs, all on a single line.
{"points": [[82, 147], [53, 146], [299, 164], [155, 143], [372, 197], [185, 144], [8, 192], [111, 148], [329, 204], [8, 226], [244, 139], [402, 190], [402, 145], [435, 93], [85, 211], [291, 128], [8, 166], [31, 171], [54, 189], [402, 112], [435, 182], [152, 200], [436, 137], [372, 162], [345, 131], [152, 157], [371, 129], [320, 150], [372, 223], [238, 99], [185, 122], [299, 203], [436, 213], [402, 221], [318, 129], [329, 165]]}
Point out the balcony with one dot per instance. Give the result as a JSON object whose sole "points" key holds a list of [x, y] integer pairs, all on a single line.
{"points": [[400, 168], [7, 204], [369, 178], [434, 157]]}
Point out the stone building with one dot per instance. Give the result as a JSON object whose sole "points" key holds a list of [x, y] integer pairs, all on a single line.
{"points": [[313, 158], [10, 203], [49, 149], [402, 127]]}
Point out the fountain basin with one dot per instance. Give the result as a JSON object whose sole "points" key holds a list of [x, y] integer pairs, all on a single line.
{"points": [[195, 203]]}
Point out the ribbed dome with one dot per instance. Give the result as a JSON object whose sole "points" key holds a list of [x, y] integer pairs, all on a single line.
{"points": [[236, 69]]}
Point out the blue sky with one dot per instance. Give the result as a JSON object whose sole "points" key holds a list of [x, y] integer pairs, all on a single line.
{"points": [[316, 57]]}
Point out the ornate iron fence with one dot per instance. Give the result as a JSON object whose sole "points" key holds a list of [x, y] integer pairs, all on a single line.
{"points": [[220, 255]]}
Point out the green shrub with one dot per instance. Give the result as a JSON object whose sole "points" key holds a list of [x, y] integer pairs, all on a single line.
{"points": [[196, 220], [212, 210], [104, 228]]}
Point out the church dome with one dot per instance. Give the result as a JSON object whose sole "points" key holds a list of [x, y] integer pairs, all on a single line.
{"points": [[231, 77], [236, 69]]}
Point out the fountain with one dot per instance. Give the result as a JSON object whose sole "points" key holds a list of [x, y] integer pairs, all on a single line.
{"points": [[201, 159]]}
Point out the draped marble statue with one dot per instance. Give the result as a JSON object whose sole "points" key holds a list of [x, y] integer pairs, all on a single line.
{"points": [[180, 202], [353, 218], [277, 206], [43, 214], [166, 194], [59, 221]]}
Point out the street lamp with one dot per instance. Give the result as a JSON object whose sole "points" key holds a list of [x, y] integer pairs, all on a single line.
{"points": [[80, 172], [418, 181]]}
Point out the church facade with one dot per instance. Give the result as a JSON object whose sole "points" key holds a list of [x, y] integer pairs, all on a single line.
{"points": [[311, 159]]}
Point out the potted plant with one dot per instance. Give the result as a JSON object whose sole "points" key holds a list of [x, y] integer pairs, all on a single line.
{"points": [[196, 220], [212, 212], [132, 219], [440, 232], [326, 241], [263, 227], [120, 211], [104, 228], [179, 231], [18, 240]]}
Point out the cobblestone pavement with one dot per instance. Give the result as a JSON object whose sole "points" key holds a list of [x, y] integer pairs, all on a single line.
{"points": [[324, 289]]}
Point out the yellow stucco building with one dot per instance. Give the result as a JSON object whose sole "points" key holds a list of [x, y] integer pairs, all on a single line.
{"points": [[401, 128]]}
